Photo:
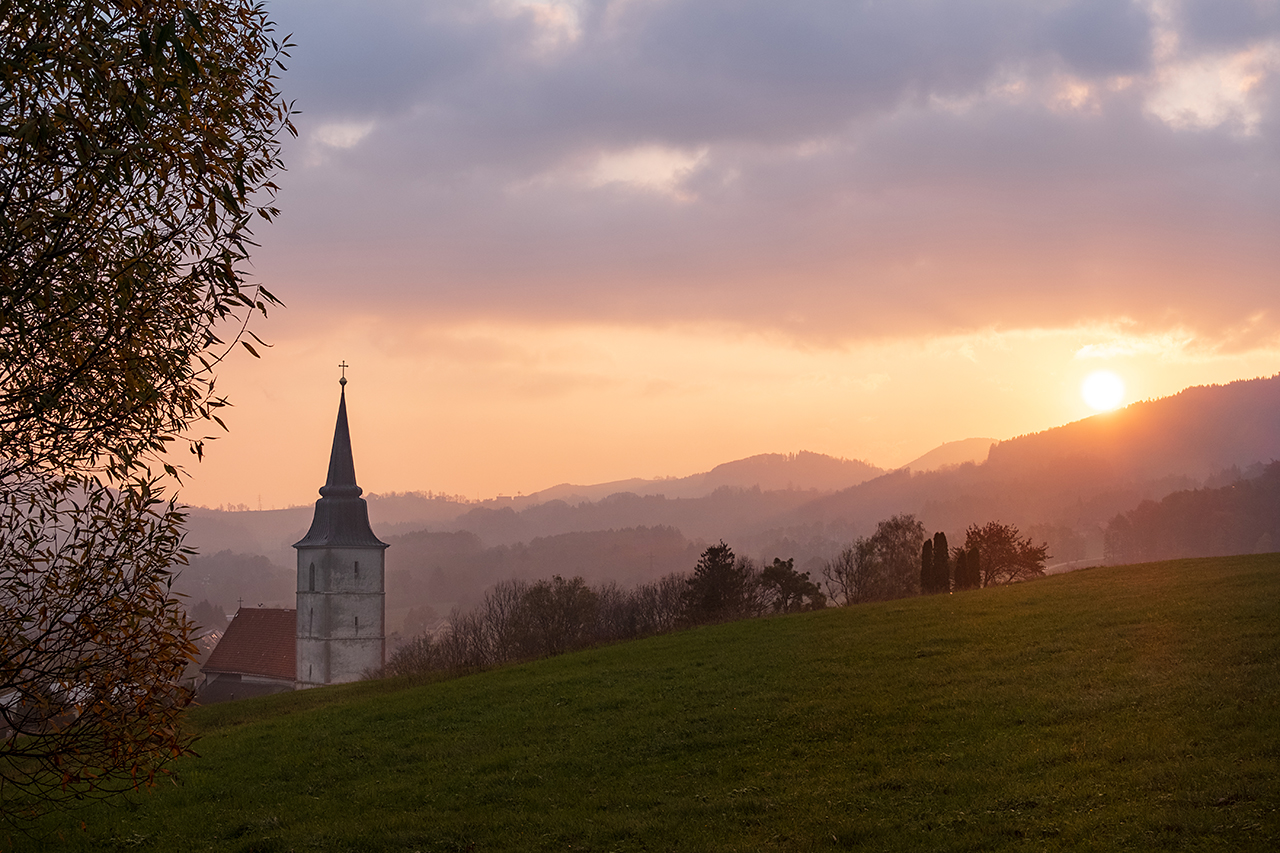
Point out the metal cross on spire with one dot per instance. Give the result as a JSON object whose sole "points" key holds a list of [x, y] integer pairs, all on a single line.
{"points": [[344, 366]]}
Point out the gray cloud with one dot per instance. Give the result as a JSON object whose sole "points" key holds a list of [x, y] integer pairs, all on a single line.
{"points": [[852, 168], [1100, 37], [1226, 24]]}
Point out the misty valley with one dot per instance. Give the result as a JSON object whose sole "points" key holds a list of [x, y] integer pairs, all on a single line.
{"points": [[1186, 476]]}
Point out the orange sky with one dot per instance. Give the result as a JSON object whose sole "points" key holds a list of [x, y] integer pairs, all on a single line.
{"points": [[582, 241], [482, 410]]}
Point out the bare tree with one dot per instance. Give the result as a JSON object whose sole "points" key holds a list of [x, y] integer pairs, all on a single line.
{"points": [[838, 576], [881, 566], [502, 613], [559, 615]]}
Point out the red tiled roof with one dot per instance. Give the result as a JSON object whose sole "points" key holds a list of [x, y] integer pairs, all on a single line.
{"points": [[259, 641]]}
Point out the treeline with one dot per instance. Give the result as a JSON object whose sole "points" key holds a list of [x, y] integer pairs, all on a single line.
{"points": [[431, 567], [727, 508], [899, 560], [522, 620], [1241, 518]]}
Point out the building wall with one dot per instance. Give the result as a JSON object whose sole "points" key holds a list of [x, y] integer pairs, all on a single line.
{"points": [[341, 614]]}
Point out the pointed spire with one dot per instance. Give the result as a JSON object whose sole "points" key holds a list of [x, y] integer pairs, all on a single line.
{"points": [[341, 482], [342, 517]]}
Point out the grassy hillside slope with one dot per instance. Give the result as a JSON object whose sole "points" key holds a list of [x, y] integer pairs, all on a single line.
{"points": [[1111, 709]]}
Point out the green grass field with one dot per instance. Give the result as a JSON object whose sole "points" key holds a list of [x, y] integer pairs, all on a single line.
{"points": [[1132, 708]]}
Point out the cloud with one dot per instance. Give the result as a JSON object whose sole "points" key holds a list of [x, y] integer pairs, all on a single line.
{"points": [[1209, 91], [1226, 24], [342, 134], [823, 169]]}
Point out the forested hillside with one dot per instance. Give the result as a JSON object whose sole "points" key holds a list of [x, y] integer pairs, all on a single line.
{"points": [[1062, 486], [1241, 518]]}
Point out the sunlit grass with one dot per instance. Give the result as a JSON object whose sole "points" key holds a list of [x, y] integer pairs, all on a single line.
{"points": [[1133, 708]]}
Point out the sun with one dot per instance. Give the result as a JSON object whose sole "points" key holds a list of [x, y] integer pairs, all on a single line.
{"points": [[1102, 390]]}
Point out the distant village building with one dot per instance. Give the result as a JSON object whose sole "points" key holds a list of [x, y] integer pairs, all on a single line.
{"points": [[337, 632]]}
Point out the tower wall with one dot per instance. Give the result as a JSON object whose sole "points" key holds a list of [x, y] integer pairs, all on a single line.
{"points": [[341, 613]]}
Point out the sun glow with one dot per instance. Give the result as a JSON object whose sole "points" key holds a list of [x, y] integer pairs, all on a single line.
{"points": [[1102, 390]]}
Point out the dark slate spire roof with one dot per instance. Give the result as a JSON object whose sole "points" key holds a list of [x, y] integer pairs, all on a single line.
{"points": [[342, 516]]}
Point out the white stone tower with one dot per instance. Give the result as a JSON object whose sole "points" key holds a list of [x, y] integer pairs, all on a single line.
{"points": [[341, 568]]}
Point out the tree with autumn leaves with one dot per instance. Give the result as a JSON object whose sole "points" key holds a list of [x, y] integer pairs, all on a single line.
{"points": [[137, 145], [1003, 556]]}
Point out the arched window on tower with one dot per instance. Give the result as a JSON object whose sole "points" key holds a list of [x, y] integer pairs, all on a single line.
{"points": [[311, 584], [357, 568]]}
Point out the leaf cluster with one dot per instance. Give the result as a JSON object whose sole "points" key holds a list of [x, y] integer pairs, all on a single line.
{"points": [[137, 143], [1004, 555], [92, 643], [138, 140]]}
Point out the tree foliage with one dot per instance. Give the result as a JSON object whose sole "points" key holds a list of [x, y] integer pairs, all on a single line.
{"points": [[941, 563], [784, 590], [926, 564], [968, 568], [1003, 555], [935, 565], [1240, 518], [881, 566], [519, 620], [719, 588], [137, 143]]}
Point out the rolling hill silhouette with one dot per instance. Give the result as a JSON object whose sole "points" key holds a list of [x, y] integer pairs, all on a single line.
{"points": [[1083, 473], [1071, 479]]}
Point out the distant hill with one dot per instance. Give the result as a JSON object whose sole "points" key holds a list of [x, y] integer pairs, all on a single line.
{"points": [[273, 532], [1241, 518], [267, 532], [768, 471], [1065, 483], [953, 453], [1082, 474], [1193, 433], [440, 568]]}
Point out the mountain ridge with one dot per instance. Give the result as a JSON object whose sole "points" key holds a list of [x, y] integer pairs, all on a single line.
{"points": [[1062, 485]]}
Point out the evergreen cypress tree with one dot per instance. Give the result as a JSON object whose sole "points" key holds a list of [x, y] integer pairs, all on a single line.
{"points": [[962, 569], [941, 563], [926, 567]]}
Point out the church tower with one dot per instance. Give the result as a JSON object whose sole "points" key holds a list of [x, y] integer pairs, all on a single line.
{"points": [[341, 566]]}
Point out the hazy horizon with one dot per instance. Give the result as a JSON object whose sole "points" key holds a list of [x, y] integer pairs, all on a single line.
{"points": [[572, 241]]}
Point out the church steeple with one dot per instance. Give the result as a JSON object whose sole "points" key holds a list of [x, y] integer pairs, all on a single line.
{"points": [[342, 597], [342, 516], [341, 482]]}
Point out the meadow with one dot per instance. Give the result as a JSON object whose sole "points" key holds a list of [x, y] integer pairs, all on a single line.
{"points": [[1123, 708]]}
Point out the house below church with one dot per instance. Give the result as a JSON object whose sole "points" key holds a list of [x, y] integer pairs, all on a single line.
{"points": [[257, 656]]}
